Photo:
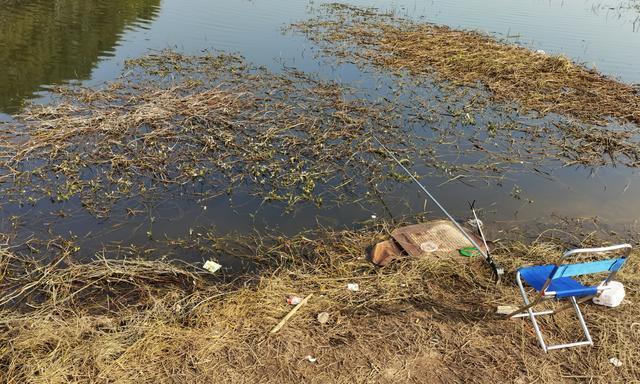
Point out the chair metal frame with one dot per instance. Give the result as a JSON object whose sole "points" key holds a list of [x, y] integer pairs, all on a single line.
{"points": [[527, 309]]}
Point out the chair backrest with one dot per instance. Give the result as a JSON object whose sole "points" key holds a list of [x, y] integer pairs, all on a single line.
{"points": [[590, 267]]}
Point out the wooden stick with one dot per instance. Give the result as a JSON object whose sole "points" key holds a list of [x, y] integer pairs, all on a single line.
{"points": [[291, 313]]}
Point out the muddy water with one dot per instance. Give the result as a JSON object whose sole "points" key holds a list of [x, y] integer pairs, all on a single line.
{"points": [[45, 43]]}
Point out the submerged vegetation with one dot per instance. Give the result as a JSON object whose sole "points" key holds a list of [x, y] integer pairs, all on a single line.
{"points": [[204, 126], [417, 320], [201, 126], [510, 73], [210, 125]]}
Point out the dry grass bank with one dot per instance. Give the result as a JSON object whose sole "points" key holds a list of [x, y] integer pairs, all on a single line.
{"points": [[415, 321]]}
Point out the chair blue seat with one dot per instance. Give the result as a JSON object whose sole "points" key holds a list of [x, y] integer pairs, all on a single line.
{"points": [[537, 275]]}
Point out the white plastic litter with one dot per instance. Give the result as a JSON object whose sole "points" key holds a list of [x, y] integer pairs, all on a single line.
{"points": [[475, 223], [294, 300], [506, 309], [612, 296], [211, 266], [615, 361], [323, 317], [353, 287], [311, 359]]}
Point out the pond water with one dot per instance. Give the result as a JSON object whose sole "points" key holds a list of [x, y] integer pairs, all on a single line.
{"points": [[45, 43]]}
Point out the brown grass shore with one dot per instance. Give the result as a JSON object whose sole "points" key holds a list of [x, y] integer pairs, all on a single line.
{"points": [[430, 320]]}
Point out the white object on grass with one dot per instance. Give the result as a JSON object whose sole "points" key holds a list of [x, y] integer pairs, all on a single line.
{"points": [[353, 287], [211, 266], [323, 317], [612, 296], [475, 223], [615, 361], [506, 309]]}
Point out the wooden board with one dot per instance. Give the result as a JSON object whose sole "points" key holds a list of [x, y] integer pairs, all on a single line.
{"points": [[419, 240]]}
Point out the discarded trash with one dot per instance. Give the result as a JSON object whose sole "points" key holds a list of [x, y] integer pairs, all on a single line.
{"points": [[439, 232], [429, 246], [541, 52], [323, 317], [473, 223], [291, 313], [385, 252], [469, 252], [420, 240], [211, 266], [294, 300], [615, 361], [506, 309], [353, 287], [311, 359], [374, 217], [612, 296]]}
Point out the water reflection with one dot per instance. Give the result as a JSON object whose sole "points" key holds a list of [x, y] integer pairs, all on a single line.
{"points": [[54, 41]]}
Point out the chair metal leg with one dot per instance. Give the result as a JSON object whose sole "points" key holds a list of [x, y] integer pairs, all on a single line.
{"points": [[581, 319], [521, 311], [570, 304], [588, 340], [528, 306]]}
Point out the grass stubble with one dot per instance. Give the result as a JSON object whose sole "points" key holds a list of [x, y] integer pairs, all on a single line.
{"points": [[123, 320]]}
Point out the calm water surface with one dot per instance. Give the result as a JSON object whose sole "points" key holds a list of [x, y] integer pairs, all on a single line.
{"points": [[50, 42]]}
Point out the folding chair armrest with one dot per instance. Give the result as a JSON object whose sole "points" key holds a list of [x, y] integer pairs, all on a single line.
{"points": [[626, 247]]}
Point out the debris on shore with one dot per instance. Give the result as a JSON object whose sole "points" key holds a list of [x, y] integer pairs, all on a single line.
{"points": [[119, 320], [429, 239]]}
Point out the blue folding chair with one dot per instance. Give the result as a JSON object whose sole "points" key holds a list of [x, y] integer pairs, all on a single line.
{"points": [[554, 281]]}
